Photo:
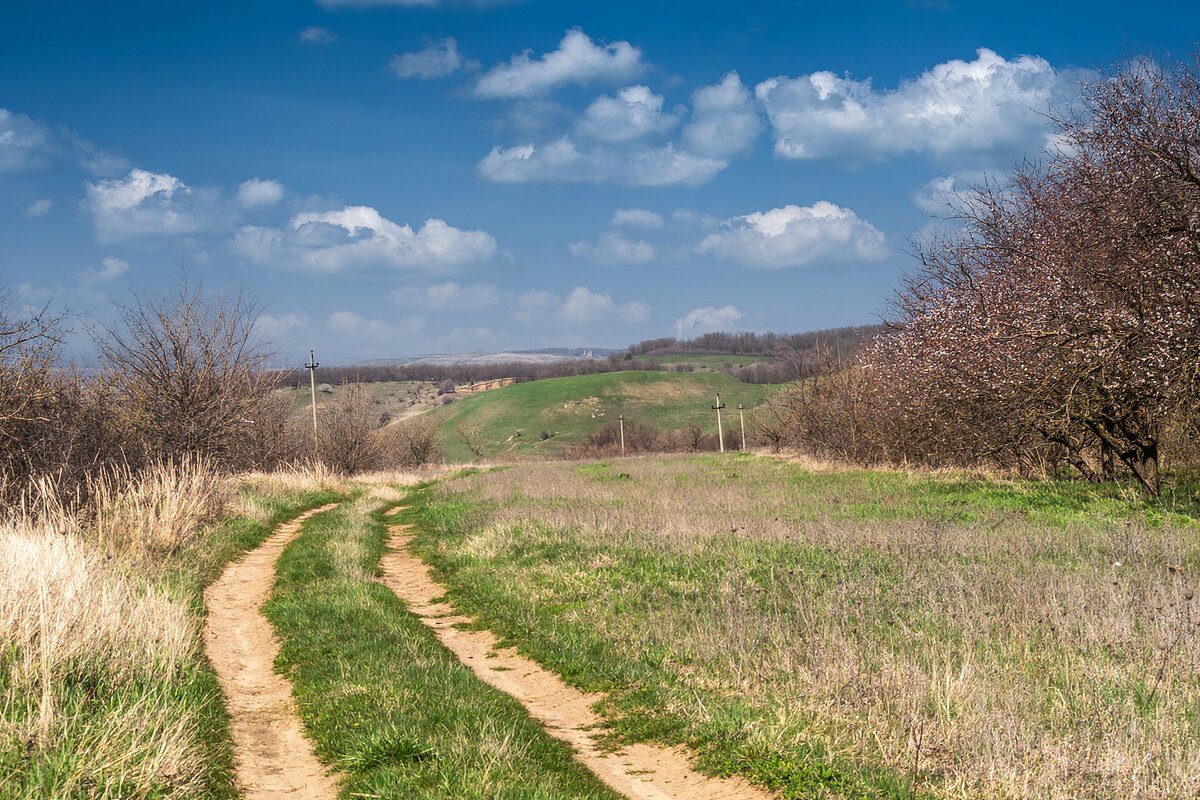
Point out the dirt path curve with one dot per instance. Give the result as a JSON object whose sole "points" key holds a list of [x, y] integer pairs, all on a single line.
{"points": [[639, 771], [273, 758]]}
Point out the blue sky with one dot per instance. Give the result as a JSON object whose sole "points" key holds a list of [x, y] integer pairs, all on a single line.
{"points": [[395, 177]]}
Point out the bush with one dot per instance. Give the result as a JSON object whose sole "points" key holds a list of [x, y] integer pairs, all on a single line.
{"points": [[410, 444]]}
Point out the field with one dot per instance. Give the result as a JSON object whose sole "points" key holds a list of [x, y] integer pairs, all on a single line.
{"points": [[508, 422], [396, 399], [814, 630], [851, 633], [704, 362]]}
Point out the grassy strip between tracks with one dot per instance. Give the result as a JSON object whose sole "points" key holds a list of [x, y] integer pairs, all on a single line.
{"points": [[393, 711]]}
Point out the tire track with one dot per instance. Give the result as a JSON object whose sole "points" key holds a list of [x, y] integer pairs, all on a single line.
{"points": [[272, 755], [638, 771]]}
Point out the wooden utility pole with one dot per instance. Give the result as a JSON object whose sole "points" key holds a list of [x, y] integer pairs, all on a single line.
{"points": [[742, 419], [311, 366], [621, 419], [720, 430]]}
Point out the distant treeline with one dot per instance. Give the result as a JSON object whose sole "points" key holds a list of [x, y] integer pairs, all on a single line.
{"points": [[791, 356], [757, 344]]}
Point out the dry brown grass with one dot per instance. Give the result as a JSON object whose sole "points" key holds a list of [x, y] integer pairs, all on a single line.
{"points": [[983, 639], [72, 616]]}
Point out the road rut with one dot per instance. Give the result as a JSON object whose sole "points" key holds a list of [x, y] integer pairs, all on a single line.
{"points": [[273, 757]]}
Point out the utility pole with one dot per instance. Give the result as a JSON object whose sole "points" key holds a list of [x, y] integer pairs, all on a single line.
{"points": [[720, 430], [742, 419], [311, 366], [621, 419]]}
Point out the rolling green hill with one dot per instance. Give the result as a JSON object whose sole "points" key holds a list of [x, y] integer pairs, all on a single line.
{"points": [[510, 420]]}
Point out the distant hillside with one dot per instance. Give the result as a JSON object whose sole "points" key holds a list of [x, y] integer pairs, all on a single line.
{"points": [[510, 421], [548, 355]]}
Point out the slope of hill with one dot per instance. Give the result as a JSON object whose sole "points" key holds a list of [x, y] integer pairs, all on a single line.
{"points": [[510, 421]]}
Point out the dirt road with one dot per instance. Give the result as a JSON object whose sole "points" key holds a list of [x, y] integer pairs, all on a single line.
{"points": [[274, 759]]}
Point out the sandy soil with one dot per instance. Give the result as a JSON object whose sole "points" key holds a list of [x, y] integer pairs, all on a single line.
{"points": [[273, 758], [640, 771]]}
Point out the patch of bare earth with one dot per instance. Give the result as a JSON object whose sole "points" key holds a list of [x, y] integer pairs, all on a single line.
{"points": [[640, 771], [273, 758]]}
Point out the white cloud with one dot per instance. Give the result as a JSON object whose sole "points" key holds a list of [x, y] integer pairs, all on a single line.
{"points": [[636, 218], [583, 306], [532, 305], [708, 319], [110, 269], [635, 112], [724, 119], [951, 194], [315, 34], [272, 328], [562, 160], [355, 325], [450, 295], [577, 60], [39, 208], [147, 203], [257, 193], [478, 333], [956, 106], [634, 312], [24, 143], [793, 236], [613, 248], [359, 236], [437, 60]]}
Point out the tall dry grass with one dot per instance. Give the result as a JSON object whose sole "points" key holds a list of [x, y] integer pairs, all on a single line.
{"points": [[91, 649], [980, 643], [104, 692]]}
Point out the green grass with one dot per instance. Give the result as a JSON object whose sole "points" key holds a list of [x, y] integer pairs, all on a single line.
{"points": [[805, 628], [386, 704], [510, 420]]}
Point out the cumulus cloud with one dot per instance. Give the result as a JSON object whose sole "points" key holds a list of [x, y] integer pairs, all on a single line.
{"points": [[634, 312], [613, 248], [636, 218], [315, 34], [437, 60], [724, 119], [359, 236], [258, 193], [148, 204], [583, 306], [578, 60], [635, 112], [350, 324], [39, 208], [957, 106], [562, 160], [24, 143], [272, 328], [950, 195], [110, 269], [450, 295], [708, 319], [794, 236]]}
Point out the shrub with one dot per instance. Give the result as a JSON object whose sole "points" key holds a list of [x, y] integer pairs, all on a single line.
{"points": [[410, 444]]}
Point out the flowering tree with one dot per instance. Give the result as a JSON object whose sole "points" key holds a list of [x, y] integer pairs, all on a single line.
{"points": [[1063, 319]]}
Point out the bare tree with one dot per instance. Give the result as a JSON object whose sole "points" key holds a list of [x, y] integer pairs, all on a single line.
{"points": [[190, 373]]}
